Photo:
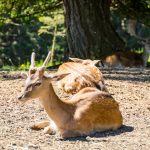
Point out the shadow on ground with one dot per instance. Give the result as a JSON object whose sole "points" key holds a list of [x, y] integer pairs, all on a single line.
{"points": [[128, 74], [105, 134]]}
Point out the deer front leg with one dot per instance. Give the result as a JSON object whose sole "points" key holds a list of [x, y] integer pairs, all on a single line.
{"points": [[40, 125], [51, 129], [48, 126]]}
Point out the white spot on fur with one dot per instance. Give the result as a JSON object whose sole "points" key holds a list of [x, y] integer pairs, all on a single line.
{"points": [[53, 126]]}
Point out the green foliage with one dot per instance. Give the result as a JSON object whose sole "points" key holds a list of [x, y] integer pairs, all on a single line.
{"points": [[138, 10], [8, 68], [20, 9], [24, 66], [27, 26], [19, 39], [29, 36], [131, 42]]}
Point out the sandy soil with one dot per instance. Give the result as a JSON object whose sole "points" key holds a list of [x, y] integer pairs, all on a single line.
{"points": [[131, 88]]}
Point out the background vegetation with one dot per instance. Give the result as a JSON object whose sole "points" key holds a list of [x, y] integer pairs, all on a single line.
{"points": [[27, 26]]}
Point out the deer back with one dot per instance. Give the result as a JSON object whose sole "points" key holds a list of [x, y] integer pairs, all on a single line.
{"points": [[80, 76]]}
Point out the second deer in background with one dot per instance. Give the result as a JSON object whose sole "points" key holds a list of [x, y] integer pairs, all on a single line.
{"points": [[127, 58], [123, 59]]}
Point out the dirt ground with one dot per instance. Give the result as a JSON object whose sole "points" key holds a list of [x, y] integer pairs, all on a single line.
{"points": [[131, 88]]}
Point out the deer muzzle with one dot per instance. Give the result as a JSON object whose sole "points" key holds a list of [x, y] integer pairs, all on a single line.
{"points": [[21, 97]]}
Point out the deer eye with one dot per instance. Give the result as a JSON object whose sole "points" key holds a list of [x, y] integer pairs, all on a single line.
{"points": [[37, 83], [32, 71]]}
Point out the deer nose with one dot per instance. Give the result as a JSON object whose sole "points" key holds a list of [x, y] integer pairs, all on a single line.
{"points": [[19, 97]]}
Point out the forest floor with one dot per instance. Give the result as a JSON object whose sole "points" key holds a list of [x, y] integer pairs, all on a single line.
{"points": [[131, 88]]}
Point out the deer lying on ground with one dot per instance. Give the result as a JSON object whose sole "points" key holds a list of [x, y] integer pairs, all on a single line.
{"points": [[124, 59], [84, 73], [88, 111], [129, 59]]}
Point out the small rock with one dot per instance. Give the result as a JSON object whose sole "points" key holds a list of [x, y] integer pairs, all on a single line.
{"points": [[33, 145], [88, 138]]}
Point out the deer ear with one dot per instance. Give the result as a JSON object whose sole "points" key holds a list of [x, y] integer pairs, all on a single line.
{"points": [[57, 77], [98, 62], [24, 75], [76, 60]]}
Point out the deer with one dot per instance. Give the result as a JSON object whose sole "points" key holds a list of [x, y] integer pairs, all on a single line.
{"points": [[83, 73], [123, 59], [127, 58], [88, 111]]}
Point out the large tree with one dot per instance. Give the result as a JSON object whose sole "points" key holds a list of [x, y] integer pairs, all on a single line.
{"points": [[90, 33], [89, 29]]}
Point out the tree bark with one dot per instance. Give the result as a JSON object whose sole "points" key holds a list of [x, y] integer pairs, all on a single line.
{"points": [[89, 30]]}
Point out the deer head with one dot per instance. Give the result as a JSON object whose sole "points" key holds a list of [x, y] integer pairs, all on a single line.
{"points": [[37, 80]]}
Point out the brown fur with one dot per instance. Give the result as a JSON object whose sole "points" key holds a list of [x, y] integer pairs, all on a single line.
{"points": [[88, 111], [124, 59], [81, 75]]}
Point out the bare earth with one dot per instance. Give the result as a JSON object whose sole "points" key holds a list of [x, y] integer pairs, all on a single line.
{"points": [[131, 88]]}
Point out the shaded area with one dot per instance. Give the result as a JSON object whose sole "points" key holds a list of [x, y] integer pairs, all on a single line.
{"points": [[128, 74], [104, 134]]}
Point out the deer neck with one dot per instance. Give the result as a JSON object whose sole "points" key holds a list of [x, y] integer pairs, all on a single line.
{"points": [[54, 107]]}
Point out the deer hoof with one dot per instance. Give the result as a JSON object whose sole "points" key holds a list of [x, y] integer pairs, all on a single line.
{"points": [[48, 130]]}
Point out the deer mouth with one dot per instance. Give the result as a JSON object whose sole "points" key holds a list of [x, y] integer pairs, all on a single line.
{"points": [[21, 98]]}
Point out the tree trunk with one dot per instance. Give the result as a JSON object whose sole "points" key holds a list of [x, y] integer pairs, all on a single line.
{"points": [[89, 30]]}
